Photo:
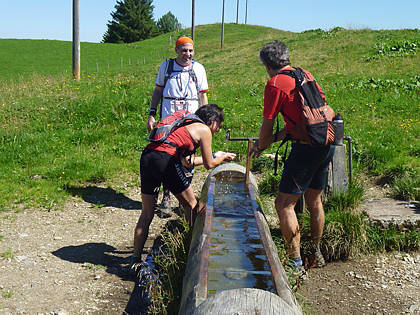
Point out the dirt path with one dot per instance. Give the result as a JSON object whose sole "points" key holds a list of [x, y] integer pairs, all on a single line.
{"points": [[72, 260], [381, 284]]}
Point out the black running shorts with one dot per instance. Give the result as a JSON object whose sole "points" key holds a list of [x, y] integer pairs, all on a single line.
{"points": [[158, 168], [306, 167]]}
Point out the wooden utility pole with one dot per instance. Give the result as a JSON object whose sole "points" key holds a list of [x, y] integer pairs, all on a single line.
{"points": [[246, 12], [193, 20], [76, 40], [223, 26], [237, 11]]}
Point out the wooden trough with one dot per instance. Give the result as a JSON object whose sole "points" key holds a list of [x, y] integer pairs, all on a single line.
{"points": [[233, 266]]}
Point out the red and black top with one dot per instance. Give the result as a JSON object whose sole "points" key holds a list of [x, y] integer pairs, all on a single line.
{"points": [[181, 138], [282, 95]]}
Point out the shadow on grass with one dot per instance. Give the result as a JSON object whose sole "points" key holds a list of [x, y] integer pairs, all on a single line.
{"points": [[104, 197], [413, 205]]}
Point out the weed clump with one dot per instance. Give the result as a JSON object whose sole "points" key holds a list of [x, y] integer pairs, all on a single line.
{"points": [[171, 261]]}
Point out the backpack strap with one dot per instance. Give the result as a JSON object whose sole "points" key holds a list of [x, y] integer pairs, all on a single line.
{"points": [[168, 129], [192, 74], [187, 120], [169, 70], [299, 77], [310, 91]]}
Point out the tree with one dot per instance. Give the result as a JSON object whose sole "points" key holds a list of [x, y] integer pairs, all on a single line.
{"points": [[131, 22], [168, 23]]}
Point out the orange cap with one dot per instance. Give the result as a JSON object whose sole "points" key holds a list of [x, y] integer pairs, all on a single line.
{"points": [[184, 40]]}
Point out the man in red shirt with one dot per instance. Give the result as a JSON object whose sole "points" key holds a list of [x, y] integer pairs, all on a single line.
{"points": [[306, 169]]}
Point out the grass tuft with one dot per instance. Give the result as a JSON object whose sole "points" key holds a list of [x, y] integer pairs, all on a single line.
{"points": [[171, 262]]}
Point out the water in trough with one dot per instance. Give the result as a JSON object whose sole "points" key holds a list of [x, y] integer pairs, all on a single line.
{"points": [[237, 256]]}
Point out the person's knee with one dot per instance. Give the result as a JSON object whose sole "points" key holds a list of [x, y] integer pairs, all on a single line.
{"points": [[313, 199], [285, 201], [192, 203], [145, 219]]}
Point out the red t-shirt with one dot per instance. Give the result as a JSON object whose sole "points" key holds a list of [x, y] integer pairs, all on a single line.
{"points": [[282, 95], [180, 137]]}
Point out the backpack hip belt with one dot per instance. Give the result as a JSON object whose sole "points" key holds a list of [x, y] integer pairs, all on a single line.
{"points": [[180, 98]]}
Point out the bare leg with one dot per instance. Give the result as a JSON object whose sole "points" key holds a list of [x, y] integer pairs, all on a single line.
{"points": [[142, 229], [314, 203], [285, 206], [189, 203]]}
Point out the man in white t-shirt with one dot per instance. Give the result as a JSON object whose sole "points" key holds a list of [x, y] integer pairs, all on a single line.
{"points": [[181, 84]]}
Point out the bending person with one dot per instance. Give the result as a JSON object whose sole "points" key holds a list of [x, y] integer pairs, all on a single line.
{"points": [[162, 163]]}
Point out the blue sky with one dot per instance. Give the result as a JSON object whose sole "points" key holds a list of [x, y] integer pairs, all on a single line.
{"points": [[52, 19]]}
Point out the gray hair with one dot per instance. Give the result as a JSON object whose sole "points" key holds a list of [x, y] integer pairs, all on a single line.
{"points": [[275, 55]]}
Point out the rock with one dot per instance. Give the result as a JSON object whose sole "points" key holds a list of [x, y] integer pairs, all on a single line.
{"points": [[413, 308], [29, 262], [20, 258]]}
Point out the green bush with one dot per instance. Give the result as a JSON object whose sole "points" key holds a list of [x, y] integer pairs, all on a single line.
{"points": [[269, 185], [262, 164]]}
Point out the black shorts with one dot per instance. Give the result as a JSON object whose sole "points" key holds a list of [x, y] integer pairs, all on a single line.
{"points": [[306, 167], [158, 168]]}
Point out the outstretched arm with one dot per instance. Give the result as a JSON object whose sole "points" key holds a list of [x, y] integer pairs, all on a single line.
{"points": [[266, 137], [202, 134]]}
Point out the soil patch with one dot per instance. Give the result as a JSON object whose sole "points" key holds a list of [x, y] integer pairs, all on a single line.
{"points": [[73, 260]]}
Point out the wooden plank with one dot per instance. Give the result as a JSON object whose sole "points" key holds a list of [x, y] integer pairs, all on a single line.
{"points": [[279, 275], [196, 276], [248, 162], [245, 301]]}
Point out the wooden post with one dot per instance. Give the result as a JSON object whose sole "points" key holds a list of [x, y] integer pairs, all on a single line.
{"points": [[223, 26], [193, 21], [237, 11], [248, 162], [246, 12], [76, 40]]}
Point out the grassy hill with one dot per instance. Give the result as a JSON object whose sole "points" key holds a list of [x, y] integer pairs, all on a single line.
{"points": [[56, 134]]}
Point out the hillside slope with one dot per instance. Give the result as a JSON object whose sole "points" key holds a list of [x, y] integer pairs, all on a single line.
{"points": [[67, 132]]}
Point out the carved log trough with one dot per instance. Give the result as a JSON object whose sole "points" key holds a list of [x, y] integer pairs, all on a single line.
{"points": [[233, 265]]}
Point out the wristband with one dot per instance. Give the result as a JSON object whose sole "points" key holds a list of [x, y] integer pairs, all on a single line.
{"points": [[152, 112]]}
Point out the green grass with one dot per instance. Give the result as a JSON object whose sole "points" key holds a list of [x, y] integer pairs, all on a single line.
{"points": [[7, 254], [171, 261], [6, 294], [57, 134]]}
